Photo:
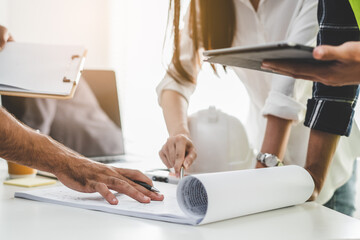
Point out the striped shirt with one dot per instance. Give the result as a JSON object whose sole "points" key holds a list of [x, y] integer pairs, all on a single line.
{"points": [[331, 109]]}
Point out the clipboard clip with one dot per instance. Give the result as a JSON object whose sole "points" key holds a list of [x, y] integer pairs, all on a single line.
{"points": [[74, 56], [67, 80]]}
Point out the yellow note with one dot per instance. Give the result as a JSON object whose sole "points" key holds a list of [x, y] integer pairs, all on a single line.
{"points": [[30, 182]]}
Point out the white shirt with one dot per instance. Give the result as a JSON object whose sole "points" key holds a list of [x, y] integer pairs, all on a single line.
{"points": [[284, 97]]}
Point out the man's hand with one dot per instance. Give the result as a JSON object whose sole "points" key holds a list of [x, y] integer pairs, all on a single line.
{"points": [[344, 71], [86, 176], [178, 151], [23, 145], [4, 37]]}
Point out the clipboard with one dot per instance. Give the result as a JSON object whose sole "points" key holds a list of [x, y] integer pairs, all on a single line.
{"points": [[40, 70]]}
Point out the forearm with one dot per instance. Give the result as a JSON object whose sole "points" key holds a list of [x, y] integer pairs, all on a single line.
{"points": [[174, 108], [321, 150], [21, 144], [276, 136]]}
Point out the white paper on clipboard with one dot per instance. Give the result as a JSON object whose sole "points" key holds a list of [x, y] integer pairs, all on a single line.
{"points": [[27, 68]]}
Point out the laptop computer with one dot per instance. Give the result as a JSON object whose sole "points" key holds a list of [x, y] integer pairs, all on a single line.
{"points": [[104, 86]]}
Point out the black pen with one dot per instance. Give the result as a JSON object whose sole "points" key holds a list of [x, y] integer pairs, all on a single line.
{"points": [[147, 186]]}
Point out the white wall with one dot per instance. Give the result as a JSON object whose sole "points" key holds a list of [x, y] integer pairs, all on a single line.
{"points": [[3, 17], [84, 22], [3, 12], [137, 29]]}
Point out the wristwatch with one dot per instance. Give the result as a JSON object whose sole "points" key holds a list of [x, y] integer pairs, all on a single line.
{"points": [[269, 160]]}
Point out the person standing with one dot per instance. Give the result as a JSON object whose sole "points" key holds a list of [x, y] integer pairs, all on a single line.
{"points": [[277, 103], [331, 109]]}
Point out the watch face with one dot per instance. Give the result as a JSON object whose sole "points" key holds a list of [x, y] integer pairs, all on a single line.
{"points": [[271, 161]]}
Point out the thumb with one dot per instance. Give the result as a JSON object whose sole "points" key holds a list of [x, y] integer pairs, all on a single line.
{"points": [[3, 36], [342, 53], [2, 42], [327, 53]]}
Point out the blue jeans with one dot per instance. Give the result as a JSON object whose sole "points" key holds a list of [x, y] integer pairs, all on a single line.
{"points": [[343, 199]]}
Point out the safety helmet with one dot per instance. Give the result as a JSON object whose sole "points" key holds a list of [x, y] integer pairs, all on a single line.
{"points": [[221, 142]]}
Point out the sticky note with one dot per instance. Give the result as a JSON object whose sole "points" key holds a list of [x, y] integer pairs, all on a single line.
{"points": [[30, 182]]}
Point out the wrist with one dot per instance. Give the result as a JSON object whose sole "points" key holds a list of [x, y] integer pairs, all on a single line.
{"points": [[62, 158], [182, 130], [268, 160]]}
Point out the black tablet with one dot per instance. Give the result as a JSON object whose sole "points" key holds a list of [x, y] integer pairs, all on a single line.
{"points": [[251, 57]]}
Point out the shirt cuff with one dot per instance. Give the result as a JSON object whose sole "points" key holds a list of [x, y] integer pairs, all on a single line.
{"points": [[282, 106], [329, 116], [186, 89]]}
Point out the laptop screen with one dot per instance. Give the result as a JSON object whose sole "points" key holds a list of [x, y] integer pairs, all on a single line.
{"points": [[89, 123], [104, 86]]}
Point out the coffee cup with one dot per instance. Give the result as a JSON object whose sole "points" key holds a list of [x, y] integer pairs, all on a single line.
{"points": [[19, 171]]}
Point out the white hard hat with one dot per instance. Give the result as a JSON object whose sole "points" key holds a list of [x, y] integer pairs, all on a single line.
{"points": [[220, 141]]}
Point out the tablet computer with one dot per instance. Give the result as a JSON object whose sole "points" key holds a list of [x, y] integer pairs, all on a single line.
{"points": [[251, 57]]}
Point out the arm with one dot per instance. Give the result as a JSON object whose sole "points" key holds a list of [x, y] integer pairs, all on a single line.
{"points": [[173, 97], [331, 109], [276, 137], [179, 149], [285, 101], [345, 71], [23, 145], [321, 149]]}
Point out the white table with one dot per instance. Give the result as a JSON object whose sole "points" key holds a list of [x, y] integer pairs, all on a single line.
{"points": [[24, 219]]}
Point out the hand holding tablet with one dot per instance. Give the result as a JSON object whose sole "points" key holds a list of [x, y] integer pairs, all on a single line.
{"points": [[251, 57]]}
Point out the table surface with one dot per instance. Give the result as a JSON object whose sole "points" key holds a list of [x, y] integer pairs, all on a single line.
{"points": [[24, 219]]}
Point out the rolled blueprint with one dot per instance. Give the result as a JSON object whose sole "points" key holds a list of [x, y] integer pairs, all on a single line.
{"points": [[199, 199], [214, 197]]}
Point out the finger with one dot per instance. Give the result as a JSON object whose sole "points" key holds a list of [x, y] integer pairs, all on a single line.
{"points": [[190, 157], [130, 174], [171, 146], [153, 195], [284, 71], [4, 37], [10, 39], [2, 42], [105, 192], [122, 186], [308, 70], [164, 157], [180, 149], [313, 78], [325, 73], [349, 51], [279, 66], [285, 66], [327, 53]]}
